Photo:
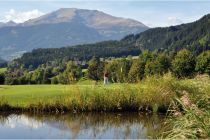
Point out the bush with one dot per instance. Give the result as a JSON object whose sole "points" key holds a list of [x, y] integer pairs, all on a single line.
{"points": [[158, 66], [136, 72], [203, 63], [95, 69], [184, 64]]}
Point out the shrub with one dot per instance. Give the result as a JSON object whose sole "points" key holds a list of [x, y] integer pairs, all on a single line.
{"points": [[184, 64], [203, 63]]}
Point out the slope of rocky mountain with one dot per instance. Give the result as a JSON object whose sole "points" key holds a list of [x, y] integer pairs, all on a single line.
{"points": [[66, 26], [9, 23]]}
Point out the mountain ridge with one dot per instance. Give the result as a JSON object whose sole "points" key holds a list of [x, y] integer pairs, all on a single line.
{"points": [[68, 14], [193, 36], [81, 27], [9, 23]]}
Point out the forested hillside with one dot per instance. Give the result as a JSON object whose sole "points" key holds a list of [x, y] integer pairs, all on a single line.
{"points": [[80, 52], [193, 36]]}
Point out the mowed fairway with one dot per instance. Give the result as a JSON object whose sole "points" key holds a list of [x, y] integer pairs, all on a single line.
{"points": [[83, 97], [24, 95], [153, 92]]}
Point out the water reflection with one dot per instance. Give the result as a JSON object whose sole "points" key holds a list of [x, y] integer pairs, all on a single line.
{"points": [[88, 125]]}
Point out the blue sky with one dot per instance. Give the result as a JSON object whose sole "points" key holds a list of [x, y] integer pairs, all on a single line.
{"points": [[152, 13]]}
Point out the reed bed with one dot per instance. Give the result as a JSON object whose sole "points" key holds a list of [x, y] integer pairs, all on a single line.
{"points": [[190, 118]]}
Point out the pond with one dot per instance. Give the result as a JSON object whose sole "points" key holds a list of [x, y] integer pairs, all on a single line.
{"points": [[84, 126]]}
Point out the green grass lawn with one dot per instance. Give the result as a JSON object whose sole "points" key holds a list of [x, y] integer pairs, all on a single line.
{"points": [[153, 92], [2, 70], [24, 95]]}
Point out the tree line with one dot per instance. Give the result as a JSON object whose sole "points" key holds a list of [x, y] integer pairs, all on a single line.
{"points": [[183, 64]]}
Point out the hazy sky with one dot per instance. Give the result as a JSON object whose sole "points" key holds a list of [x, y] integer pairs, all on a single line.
{"points": [[152, 13]]}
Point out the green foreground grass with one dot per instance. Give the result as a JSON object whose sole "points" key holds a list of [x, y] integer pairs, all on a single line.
{"points": [[25, 95], [113, 97], [2, 70], [152, 94]]}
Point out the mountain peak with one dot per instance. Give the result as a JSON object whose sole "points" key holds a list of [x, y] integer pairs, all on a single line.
{"points": [[93, 18], [66, 26], [75, 9], [11, 23]]}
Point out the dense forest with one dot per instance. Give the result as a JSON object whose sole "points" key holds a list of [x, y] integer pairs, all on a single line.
{"points": [[192, 36], [80, 52], [121, 70]]}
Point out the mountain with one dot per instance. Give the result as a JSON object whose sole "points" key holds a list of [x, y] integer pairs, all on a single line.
{"points": [[9, 23], [1, 60], [194, 36], [66, 26], [3, 63], [1, 24]]}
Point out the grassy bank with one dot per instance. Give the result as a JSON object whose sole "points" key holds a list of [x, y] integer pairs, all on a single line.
{"points": [[190, 115], [155, 94], [191, 124], [150, 95]]}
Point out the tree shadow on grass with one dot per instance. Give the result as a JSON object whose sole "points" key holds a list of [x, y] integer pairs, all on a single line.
{"points": [[3, 87]]}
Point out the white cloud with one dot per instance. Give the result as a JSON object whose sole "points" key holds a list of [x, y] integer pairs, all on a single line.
{"points": [[22, 121], [174, 21], [20, 16]]}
